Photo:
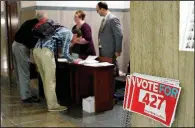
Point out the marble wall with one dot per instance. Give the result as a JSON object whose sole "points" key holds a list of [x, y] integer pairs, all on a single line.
{"points": [[154, 50], [3, 39], [2, 6]]}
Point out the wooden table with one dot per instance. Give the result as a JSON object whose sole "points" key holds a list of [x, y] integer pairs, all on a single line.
{"points": [[74, 82]]}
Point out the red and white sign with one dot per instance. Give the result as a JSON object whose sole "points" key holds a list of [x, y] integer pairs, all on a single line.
{"points": [[150, 98]]}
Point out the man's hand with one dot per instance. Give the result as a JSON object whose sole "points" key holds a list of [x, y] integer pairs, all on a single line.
{"points": [[76, 61], [117, 54]]}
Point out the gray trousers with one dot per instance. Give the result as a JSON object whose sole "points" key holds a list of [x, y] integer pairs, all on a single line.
{"points": [[21, 57]]}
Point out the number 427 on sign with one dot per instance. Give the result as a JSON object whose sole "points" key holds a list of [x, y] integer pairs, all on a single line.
{"points": [[154, 103]]}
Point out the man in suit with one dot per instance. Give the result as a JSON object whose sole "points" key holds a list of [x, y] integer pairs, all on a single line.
{"points": [[110, 35]]}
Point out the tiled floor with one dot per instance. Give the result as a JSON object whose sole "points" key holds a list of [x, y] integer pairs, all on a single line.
{"points": [[16, 114]]}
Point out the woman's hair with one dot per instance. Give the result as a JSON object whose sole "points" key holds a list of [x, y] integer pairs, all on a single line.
{"points": [[80, 14]]}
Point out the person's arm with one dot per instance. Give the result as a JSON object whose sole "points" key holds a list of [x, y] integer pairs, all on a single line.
{"points": [[65, 49], [118, 36], [83, 41], [87, 35], [66, 41]]}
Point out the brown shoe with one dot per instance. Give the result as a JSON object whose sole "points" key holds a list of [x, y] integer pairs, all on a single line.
{"points": [[60, 108]]}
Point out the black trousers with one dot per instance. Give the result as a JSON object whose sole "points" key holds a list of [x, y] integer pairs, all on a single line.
{"points": [[33, 71], [116, 68]]}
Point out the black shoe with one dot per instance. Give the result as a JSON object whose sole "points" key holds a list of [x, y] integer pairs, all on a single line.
{"points": [[31, 100], [35, 99]]}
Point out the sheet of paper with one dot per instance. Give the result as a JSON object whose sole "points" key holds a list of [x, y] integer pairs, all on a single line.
{"points": [[91, 58], [92, 65], [98, 64], [62, 60], [105, 64]]}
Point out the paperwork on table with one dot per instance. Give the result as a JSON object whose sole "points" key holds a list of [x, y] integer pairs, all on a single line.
{"points": [[62, 60], [89, 61]]}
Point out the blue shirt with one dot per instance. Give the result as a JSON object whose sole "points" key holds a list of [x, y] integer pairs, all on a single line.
{"points": [[63, 37]]}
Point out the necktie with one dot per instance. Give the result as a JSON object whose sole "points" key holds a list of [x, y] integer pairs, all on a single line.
{"points": [[101, 27], [102, 24]]}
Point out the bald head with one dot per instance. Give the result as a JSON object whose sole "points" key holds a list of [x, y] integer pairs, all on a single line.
{"points": [[40, 15]]}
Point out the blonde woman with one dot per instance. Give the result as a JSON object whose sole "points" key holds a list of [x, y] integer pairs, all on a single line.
{"points": [[86, 45]]}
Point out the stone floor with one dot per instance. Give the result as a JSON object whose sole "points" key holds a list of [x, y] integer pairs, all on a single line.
{"points": [[16, 114]]}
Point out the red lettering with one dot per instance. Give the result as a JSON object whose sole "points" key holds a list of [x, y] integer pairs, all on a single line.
{"points": [[146, 99], [153, 101], [152, 104]]}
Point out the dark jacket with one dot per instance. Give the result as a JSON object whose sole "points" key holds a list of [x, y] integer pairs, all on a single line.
{"points": [[25, 36]]}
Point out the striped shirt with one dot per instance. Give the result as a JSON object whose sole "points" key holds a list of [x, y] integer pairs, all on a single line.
{"points": [[63, 37]]}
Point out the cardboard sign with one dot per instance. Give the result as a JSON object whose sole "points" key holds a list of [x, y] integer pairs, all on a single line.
{"points": [[154, 99]]}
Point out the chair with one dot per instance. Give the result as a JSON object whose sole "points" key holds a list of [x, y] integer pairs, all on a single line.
{"points": [[119, 85]]}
